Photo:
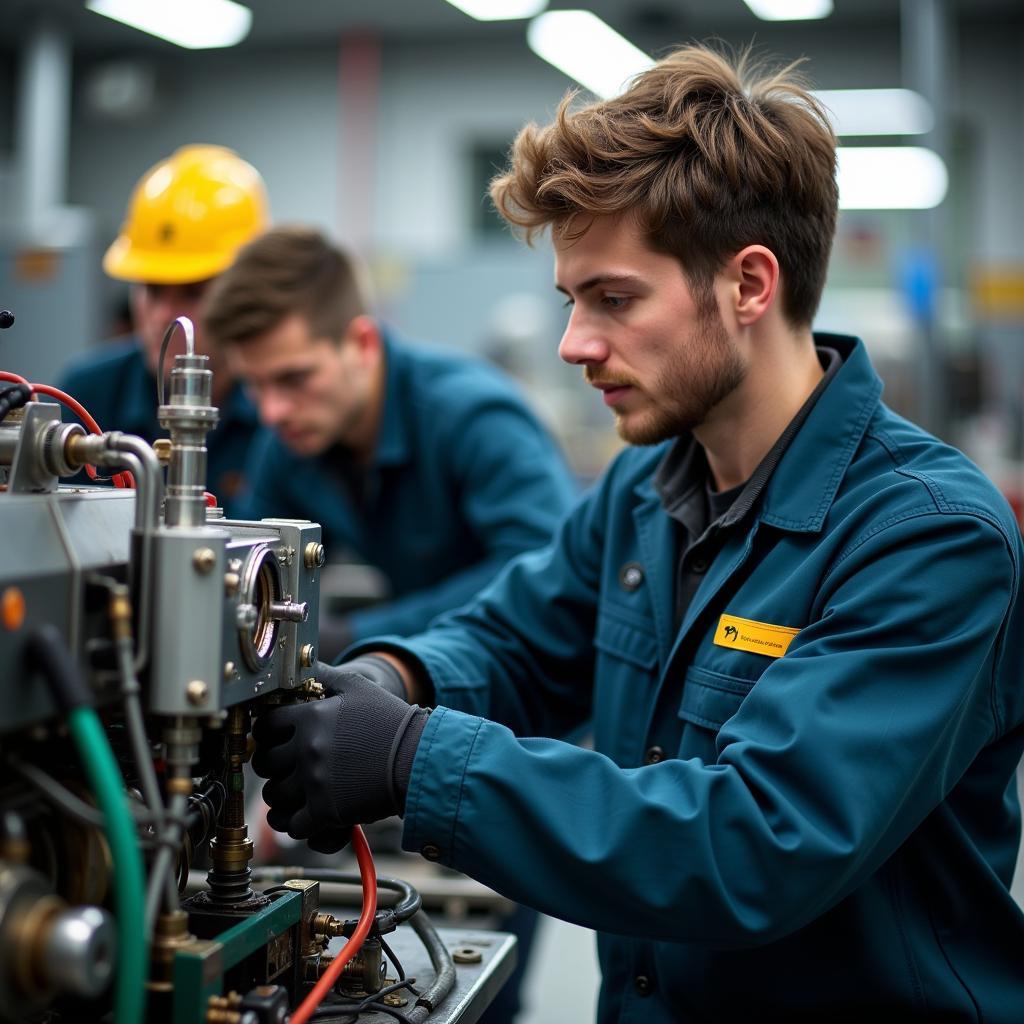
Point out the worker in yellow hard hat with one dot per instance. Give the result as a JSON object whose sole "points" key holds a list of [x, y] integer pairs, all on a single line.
{"points": [[188, 216]]}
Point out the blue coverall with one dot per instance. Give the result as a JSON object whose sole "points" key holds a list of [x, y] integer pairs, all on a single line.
{"points": [[832, 831], [116, 387], [463, 478]]}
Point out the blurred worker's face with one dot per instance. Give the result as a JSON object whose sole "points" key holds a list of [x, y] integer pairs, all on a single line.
{"points": [[661, 359], [154, 306], [313, 391]]}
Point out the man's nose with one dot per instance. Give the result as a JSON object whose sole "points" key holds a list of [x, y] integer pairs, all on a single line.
{"points": [[273, 407], [580, 344]]}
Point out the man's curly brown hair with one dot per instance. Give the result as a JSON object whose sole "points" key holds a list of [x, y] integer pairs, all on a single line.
{"points": [[708, 154]]}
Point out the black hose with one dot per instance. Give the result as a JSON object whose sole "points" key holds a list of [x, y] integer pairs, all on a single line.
{"points": [[444, 968], [388, 918], [13, 397], [46, 648]]}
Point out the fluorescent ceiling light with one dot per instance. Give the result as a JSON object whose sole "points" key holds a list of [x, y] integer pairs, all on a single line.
{"points": [[790, 10], [194, 24], [877, 111], [499, 10], [583, 47], [890, 178]]}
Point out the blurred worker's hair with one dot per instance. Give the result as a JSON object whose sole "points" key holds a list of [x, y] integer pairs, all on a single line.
{"points": [[709, 154], [287, 270]]}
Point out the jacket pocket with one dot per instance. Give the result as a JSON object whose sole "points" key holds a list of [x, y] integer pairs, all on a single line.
{"points": [[710, 699], [623, 640]]}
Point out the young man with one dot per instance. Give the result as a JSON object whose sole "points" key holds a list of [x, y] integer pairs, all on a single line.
{"points": [[425, 464], [795, 620], [187, 217]]}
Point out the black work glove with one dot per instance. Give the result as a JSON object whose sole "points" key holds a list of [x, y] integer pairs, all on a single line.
{"points": [[377, 669], [337, 762]]}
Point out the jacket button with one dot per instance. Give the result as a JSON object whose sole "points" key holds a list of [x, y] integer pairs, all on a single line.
{"points": [[654, 755], [699, 564], [431, 852], [643, 985], [631, 575]]}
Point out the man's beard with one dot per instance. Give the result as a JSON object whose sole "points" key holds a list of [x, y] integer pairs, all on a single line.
{"points": [[701, 373]]}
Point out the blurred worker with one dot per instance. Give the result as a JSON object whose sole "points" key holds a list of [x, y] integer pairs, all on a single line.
{"points": [[794, 617], [424, 463], [186, 219]]}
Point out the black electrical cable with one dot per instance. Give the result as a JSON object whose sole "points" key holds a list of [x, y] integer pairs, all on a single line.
{"points": [[395, 962], [351, 1008], [46, 648], [388, 918], [14, 397], [441, 961]]}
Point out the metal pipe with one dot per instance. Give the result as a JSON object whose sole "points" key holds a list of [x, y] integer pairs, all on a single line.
{"points": [[44, 118]]}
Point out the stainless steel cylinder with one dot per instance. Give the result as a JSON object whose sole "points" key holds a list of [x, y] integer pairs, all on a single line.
{"points": [[80, 951], [188, 417]]}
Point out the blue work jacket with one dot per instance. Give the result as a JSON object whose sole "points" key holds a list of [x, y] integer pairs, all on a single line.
{"points": [[464, 477], [824, 831], [115, 386]]}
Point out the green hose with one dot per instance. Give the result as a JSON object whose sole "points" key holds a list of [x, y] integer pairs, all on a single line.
{"points": [[129, 885]]}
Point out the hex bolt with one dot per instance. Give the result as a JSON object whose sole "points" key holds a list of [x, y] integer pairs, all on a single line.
{"points": [[246, 616], [204, 559]]}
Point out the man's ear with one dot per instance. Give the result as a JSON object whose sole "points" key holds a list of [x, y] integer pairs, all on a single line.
{"points": [[753, 274], [364, 331]]}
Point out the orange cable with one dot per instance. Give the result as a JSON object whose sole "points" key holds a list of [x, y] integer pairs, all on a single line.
{"points": [[368, 874], [123, 479]]}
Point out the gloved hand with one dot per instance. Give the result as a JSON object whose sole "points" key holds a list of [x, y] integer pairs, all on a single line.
{"points": [[377, 669], [337, 762]]}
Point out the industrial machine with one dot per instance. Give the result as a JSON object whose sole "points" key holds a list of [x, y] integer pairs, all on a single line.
{"points": [[140, 631]]}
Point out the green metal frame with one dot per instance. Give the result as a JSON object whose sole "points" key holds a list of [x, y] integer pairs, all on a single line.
{"points": [[199, 971]]}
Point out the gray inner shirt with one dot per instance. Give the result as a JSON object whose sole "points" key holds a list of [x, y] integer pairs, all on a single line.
{"points": [[704, 515]]}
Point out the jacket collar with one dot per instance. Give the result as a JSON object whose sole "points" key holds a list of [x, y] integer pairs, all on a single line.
{"points": [[805, 482]]}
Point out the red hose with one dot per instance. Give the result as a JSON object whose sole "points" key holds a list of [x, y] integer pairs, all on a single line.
{"points": [[124, 479], [368, 874]]}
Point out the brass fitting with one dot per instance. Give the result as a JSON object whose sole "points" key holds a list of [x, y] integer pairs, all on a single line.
{"points": [[231, 849], [224, 1009], [162, 448], [170, 934], [120, 613], [179, 785], [328, 925]]}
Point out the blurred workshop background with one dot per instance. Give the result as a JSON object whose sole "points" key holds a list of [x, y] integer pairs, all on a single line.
{"points": [[382, 122]]}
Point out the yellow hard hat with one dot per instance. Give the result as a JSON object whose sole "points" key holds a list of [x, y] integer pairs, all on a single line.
{"points": [[187, 218]]}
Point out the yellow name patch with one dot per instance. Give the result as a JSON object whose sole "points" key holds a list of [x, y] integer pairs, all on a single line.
{"points": [[755, 637]]}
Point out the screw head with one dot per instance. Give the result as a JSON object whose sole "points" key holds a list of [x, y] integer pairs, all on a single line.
{"points": [[204, 559], [196, 691], [307, 655], [314, 555]]}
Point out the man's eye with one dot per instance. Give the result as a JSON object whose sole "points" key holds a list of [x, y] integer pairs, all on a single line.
{"points": [[615, 301], [567, 303]]}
